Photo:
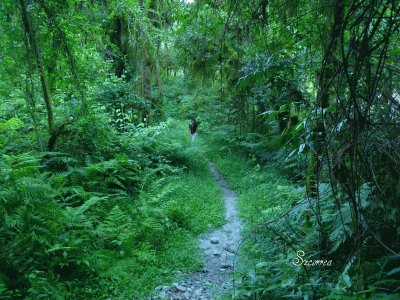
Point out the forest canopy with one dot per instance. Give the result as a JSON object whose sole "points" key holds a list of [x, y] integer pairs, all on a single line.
{"points": [[298, 105]]}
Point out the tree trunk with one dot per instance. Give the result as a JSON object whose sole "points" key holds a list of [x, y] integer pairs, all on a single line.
{"points": [[72, 61], [30, 32], [326, 75], [29, 91], [147, 63], [146, 85]]}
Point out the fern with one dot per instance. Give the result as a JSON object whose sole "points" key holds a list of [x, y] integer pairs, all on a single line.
{"points": [[340, 227], [75, 216], [116, 230]]}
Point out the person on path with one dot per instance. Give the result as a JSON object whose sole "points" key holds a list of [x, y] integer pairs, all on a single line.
{"points": [[193, 129]]}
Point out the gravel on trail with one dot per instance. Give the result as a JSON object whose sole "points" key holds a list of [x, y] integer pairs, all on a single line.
{"points": [[219, 256]]}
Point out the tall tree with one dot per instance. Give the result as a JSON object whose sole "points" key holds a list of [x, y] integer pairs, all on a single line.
{"points": [[147, 59], [35, 48]]}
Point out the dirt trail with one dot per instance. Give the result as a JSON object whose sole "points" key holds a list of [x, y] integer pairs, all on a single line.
{"points": [[220, 256]]}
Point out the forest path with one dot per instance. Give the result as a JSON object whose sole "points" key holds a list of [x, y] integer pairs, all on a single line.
{"points": [[219, 256]]}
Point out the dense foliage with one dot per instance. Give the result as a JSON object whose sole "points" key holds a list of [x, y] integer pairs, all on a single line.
{"points": [[101, 193]]}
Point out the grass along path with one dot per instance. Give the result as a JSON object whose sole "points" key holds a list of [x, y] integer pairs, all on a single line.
{"points": [[259, 193], [264, 194], [167, 255], [219, 249]]}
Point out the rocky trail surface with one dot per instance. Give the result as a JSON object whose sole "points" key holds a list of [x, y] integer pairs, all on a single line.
{"points": [[219, 257]]}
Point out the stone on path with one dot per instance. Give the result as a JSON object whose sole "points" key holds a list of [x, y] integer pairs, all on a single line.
{"points": [[214, 240], [164, 288], [216, 253], [229, 249], [178, 288], [227, 265]]}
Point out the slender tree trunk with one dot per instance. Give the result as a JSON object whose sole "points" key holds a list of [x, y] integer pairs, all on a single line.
{"points": [[72, 61], [158, 71], [147, 63], [318, 132], [30, 32], [146, 85], [29, 90], [326, 75]]}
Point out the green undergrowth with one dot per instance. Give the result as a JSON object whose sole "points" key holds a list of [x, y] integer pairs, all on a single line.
{"points": [[264, 193], [197, 198], [115, 228], [279, 222], [195, 205]]}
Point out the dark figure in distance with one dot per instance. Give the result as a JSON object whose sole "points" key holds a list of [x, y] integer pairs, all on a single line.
{"points": [[193, 129]]}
